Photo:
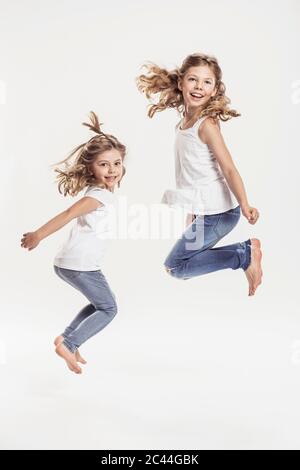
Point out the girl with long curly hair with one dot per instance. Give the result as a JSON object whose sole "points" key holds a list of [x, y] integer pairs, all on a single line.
{"points": [[97, 167], [208, 184]]}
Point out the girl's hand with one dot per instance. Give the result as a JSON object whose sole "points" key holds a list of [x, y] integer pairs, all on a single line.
{"points": [[30, 240], [251, 213]]}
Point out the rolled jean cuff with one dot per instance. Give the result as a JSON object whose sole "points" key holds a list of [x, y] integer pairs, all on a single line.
{"points": [[247, 255], [67, 332], [69, 345]]}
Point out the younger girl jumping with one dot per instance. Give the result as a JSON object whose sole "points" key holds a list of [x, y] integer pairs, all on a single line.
{"points": [[98, 168], [208, 183]]}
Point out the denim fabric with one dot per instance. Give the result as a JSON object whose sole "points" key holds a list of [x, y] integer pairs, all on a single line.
{"points": [[193, 255], [94, 316]]}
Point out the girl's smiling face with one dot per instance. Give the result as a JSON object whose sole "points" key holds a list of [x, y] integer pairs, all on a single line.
{"points": [[108, 168], [197, 86]]}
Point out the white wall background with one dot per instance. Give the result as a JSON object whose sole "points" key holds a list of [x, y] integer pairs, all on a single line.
{"points": [[185, 365]]}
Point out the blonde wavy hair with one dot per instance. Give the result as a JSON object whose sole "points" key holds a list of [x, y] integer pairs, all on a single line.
{"points": [[165, 82], [76, 173]]}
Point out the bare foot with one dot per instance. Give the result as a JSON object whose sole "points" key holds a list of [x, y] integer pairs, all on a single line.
{"points": [[69, 357], [79, 358], [254, 272]]}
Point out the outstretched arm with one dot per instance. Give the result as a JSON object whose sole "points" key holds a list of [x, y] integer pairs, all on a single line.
{"points": [[85, 205], [211, 135]]}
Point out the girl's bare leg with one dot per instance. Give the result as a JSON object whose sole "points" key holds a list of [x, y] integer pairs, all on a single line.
{"points": [[79, 358], [69, 357], [254, 272]]}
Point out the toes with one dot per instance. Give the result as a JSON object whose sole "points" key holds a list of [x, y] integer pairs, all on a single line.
{"points": [[70, 366], [71, 362], [79, 358], [74, 368]]}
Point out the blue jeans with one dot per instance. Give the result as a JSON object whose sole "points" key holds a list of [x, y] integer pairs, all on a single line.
{"points": [[94, 316], [193, 255]]}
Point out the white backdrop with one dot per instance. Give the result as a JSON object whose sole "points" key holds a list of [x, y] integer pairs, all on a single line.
{"points": [[185, 365]]}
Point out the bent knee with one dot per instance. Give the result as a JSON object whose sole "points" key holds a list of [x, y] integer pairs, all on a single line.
{"points": [[113, 310], [168, 269], [176, 271]]}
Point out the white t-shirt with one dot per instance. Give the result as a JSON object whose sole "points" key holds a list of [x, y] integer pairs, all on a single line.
{"points": [[88, 239], [200, 184]]}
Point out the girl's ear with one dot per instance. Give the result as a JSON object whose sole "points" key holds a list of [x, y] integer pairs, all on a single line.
{"points": [[179, 85]]}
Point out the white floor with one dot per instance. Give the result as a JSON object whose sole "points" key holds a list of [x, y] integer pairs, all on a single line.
{"points": [[185, 365]]}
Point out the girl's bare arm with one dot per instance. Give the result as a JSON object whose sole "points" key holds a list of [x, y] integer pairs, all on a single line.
{"points": [[211, 135], [85, 205]]}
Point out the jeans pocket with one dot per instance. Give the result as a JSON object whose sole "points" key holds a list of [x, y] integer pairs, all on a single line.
{"points": [[227, 221], [211, 222]]}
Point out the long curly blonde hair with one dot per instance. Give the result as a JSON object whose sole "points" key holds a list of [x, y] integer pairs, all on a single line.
{"points": [[165, 82], [76, 173]]}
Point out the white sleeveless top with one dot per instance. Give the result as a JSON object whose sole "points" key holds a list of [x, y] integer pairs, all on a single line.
{"points": [[200, 184]]}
